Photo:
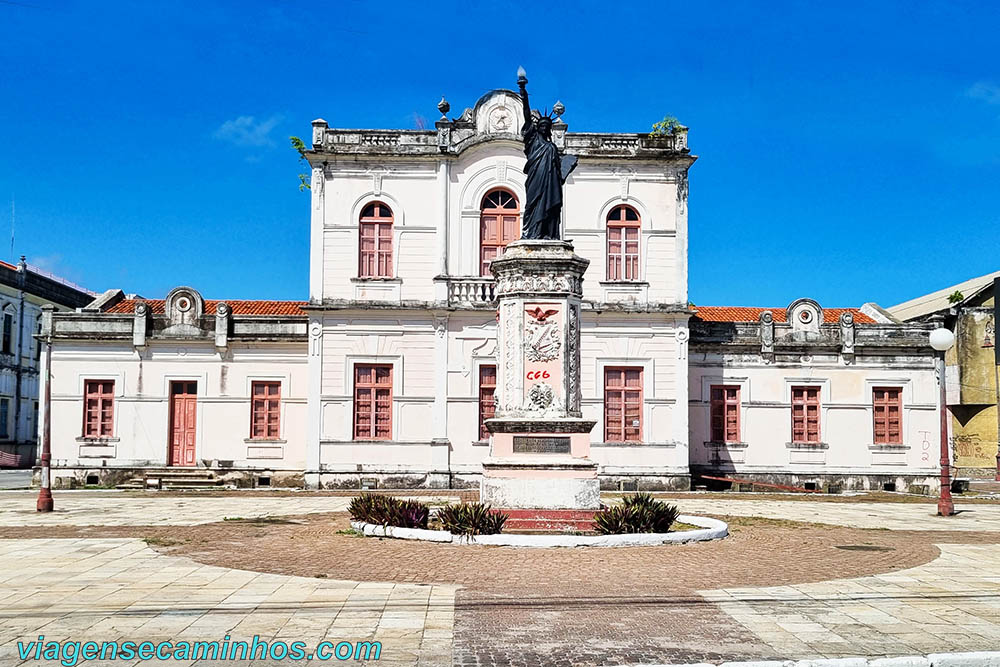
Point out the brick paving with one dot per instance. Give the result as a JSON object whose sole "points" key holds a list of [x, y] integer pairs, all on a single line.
{"points": [[600, 606]]}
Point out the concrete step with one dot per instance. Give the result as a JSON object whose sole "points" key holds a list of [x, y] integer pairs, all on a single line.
{"points": [[173, 479], [543, 520]]}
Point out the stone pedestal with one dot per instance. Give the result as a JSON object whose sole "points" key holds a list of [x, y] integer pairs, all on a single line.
{"points": [[539, 442]]}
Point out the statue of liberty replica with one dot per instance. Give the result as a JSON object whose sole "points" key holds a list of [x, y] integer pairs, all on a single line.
{"points": [[546, 172]]}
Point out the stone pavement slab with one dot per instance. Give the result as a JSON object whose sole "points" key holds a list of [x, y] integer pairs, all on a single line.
{"points": [[949, 604], [889, 516], [124, 509], [120, 589]]}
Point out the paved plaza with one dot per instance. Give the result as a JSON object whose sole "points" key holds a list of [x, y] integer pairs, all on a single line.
{"points": [[120, 589], [877, 579], [131, 509]]}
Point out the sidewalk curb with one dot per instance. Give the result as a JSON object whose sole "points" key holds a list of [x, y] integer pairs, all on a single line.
{"points": [[973, 659]]}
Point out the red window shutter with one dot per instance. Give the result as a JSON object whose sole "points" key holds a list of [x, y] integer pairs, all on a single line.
{"points": [[623, 227], [265, 410], [805, 414], [499, 224], [98, 408], [487, 400], [375, 242], [623, 405], [725, 413], [373, 402], [887, 407]]}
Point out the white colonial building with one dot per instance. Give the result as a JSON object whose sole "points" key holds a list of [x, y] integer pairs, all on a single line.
{"points": [[24, 290], [385, 376]]}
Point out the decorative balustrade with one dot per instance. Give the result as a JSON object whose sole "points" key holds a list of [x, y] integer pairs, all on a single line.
{"points": [[472, 292]]}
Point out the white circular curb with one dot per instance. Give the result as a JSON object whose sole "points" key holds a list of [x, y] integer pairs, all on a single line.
{"points": [[710, 529]]}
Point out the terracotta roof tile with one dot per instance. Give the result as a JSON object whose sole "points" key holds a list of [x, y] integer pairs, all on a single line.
{"points": [[744, 314], [240, 307]]}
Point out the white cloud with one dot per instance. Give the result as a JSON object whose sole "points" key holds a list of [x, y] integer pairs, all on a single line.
{"points": [[987, 91], [247, 131]]}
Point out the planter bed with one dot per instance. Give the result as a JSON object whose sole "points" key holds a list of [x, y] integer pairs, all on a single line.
{"points": [[709, 529]]}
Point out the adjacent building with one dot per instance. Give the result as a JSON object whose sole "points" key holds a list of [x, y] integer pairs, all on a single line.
{"points": [[969, 309], [24, 291], [385, 375]]}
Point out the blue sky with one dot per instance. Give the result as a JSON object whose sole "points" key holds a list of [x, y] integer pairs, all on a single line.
{"points": [[848, 152]]}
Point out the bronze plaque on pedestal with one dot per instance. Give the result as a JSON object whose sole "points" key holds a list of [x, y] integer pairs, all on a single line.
{"points": [[540, 445]]}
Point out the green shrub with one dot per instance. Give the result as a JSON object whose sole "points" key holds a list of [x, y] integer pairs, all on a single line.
{"points": [[388, 511], [639, 513], [472, 519]]}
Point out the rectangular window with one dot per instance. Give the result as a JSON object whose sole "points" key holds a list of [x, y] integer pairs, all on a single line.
{"points": [[805, 414], [8, 333], [98, 408], [888, 408], [265, 410], [373, 402], [4, 418], [725, 413], [376, 250], [623, 404], [487, 402]]}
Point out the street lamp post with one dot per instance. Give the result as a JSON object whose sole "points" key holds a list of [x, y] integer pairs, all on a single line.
{"points": [[45, 503], [941, 340]]}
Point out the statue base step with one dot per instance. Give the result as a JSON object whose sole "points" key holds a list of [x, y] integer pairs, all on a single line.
{"points": [[544, 481]]}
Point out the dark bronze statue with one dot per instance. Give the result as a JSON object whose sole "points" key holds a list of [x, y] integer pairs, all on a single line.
{"points": [[546, 172]]}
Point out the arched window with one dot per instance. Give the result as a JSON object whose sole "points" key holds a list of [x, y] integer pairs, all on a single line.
{"points": [[499, 224], [623, 243], [375, 256]]}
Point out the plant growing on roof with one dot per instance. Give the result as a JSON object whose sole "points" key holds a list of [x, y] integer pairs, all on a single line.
{"points": [[300, 146], [666, 127], [956, 297]]}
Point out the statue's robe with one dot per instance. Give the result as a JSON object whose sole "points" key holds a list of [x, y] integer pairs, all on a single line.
{"points": [[543, 186]]}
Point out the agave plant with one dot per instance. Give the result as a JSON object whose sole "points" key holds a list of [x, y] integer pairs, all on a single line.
{"points": [[472, 519], [639, 513], [388, 511]]}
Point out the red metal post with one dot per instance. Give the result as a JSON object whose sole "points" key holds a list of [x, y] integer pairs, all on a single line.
{"points": [[945, 505], [45, 503]]}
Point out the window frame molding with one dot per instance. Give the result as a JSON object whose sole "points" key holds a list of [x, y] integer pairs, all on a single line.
{"points": [[350, 361], [394, 240], [821, 418], [281, 409], [640, 279], [115, 396], [724, 441], [392, 404], [905, 386], [478, 382], [644, 408], [519, 212], [648, 397]]}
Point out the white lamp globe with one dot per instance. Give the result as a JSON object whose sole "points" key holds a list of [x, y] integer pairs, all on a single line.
{"points": [[942, 339]]}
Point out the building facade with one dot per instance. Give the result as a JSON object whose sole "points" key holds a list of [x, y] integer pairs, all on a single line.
{"points": [[385, 376], [24, 290], [969, 309]]}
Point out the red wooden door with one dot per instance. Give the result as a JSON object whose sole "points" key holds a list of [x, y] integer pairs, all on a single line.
{"points": [[183, 410]]}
